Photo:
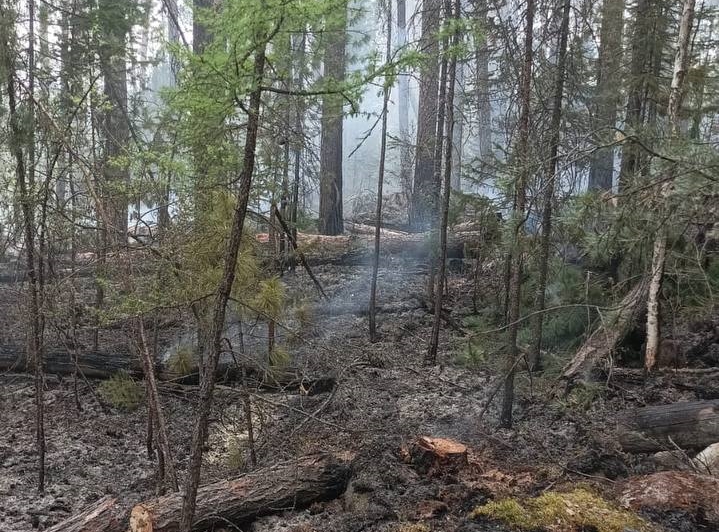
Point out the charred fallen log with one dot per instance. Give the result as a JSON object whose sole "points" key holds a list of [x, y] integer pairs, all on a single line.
{"points": [[291, 485], [103, 365], [102, 516], [687, 425]]}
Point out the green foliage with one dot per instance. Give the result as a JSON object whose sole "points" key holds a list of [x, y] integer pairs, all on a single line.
{"points": [[182, 361], [121, 391], [235, 456], [279, 358], [269, 298], [579, 509]]}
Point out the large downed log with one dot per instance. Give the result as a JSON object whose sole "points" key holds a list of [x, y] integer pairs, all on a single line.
{"points": [[687, 425], [291, 485], [612, 329], [103, 365], [102, 516], [357, 246]]}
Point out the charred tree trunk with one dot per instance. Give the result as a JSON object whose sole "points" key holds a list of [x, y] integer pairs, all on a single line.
{"points": [[199, 434], [102, 516], [405, 155], [330, 216], [516, 254], [548, 184], [425, 189], [601, 170]]}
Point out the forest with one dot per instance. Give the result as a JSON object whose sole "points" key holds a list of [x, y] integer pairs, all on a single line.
{"points": [[359, 265]]}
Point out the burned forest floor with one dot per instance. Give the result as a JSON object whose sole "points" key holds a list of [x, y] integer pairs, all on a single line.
{"points": [[384, 399]]}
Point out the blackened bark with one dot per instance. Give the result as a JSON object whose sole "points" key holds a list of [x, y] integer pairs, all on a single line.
{"points": [[330, 215], [425, 189], [601, 170]]}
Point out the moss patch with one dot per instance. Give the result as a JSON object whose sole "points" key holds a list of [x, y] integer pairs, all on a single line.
{"points": [[563, 512]]}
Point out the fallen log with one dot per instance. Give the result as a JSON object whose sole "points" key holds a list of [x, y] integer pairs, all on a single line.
{"points": [[103, 365], [605, 338], [690, 425], [291, 485], [669, 491], [357, 246], [102, 516]]}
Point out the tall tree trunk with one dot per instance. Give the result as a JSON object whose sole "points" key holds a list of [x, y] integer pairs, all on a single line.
{"points": [[380, 184], [448, 104], [425, 189], [24, 176], [601, 170], [516, 253], [298, 142], [484, 107], [116, 128], [548, 184], [405, 155], [659, 254], [330, 219], [222, 296]]}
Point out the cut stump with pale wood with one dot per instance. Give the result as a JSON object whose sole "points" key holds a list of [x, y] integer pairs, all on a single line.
{"points": [[434, 455]]}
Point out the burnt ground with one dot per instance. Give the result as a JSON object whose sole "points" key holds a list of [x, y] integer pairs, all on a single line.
{"points": [[384, 399]]}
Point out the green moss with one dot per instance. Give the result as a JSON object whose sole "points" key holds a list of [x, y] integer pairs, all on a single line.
{"points": [[121, 391], [412, 527], [563, 512]]}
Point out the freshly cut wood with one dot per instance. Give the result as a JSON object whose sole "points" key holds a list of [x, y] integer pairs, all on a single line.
{"points": [[707, 461], [103, 516], [690, 425], [612, 329], [431, 455], [291, 485], [674, 490]]}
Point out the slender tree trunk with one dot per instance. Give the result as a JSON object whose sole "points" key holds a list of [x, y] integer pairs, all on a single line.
{"points": [[484, 107], [458, 131], [659, 254], [516, 254], [167, 464], [405, 155], [298, 144], [548, 184], [448, 104], [423, 205], [380, 184], [222, 296], [330, 219]]}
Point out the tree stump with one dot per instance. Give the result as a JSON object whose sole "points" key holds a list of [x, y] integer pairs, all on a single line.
{"points": [[433, 455]]}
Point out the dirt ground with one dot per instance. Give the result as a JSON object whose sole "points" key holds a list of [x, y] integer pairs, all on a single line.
{"points": [[383, 401]]}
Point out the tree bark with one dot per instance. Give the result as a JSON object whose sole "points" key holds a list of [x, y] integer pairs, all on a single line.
{"points": [[601, 170], [380, 184], [199, 434], [330, 215], [102, 516], [516, 254], [405, 155], [291, 485], [659, 253], [612, 330], [689, 425], [548, 184], [425, 189]]}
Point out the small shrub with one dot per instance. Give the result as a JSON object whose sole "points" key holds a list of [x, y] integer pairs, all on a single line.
{"points": [[412, 527], [182, 361], [579, 509], [235, 458], [121, 392]]}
